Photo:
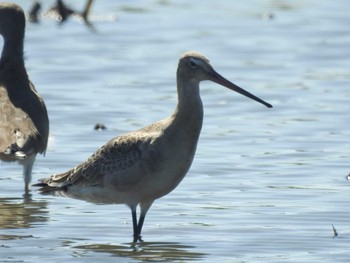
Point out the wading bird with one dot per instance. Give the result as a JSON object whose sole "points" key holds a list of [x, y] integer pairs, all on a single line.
{"points": [[24, 124], [140, 166]]}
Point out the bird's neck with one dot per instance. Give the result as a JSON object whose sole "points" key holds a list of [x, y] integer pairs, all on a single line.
{"points": [[12, 55], [189, 110]]}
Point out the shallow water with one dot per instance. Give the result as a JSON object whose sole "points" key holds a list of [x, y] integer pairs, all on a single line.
{"points": [[266, 184]]}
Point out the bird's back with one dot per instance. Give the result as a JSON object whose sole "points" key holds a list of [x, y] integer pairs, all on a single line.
{"points": [[140, 165]]}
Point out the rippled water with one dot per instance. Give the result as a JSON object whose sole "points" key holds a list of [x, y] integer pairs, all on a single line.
{"points": [[266, 184]]}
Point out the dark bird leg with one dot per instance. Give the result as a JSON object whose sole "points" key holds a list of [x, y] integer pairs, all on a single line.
{"points": [[134, 223], [137, 226]]}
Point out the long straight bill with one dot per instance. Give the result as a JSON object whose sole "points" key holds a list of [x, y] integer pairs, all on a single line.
{"points": [[217, 78]]}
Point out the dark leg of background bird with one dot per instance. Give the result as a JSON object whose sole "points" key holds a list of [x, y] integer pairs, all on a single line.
{"points": [[86, 13], [33, 15]]}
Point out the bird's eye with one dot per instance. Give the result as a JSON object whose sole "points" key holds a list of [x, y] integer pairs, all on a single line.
{"points": [[192, 63]]}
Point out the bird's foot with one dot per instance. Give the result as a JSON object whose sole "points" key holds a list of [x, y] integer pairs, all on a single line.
{"points": [[137, 238]]}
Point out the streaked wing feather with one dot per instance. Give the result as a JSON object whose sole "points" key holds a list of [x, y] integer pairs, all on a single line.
{"points": [[113, 159]]}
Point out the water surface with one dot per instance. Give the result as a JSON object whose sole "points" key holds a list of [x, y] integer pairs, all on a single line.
{"points": [[266, 184]]}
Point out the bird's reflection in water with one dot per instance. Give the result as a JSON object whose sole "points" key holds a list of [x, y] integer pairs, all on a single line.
{"points": [[147, 251], [22, 212]]}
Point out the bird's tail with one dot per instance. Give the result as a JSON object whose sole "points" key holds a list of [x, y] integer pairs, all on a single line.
{"points": [[44, 188]]}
